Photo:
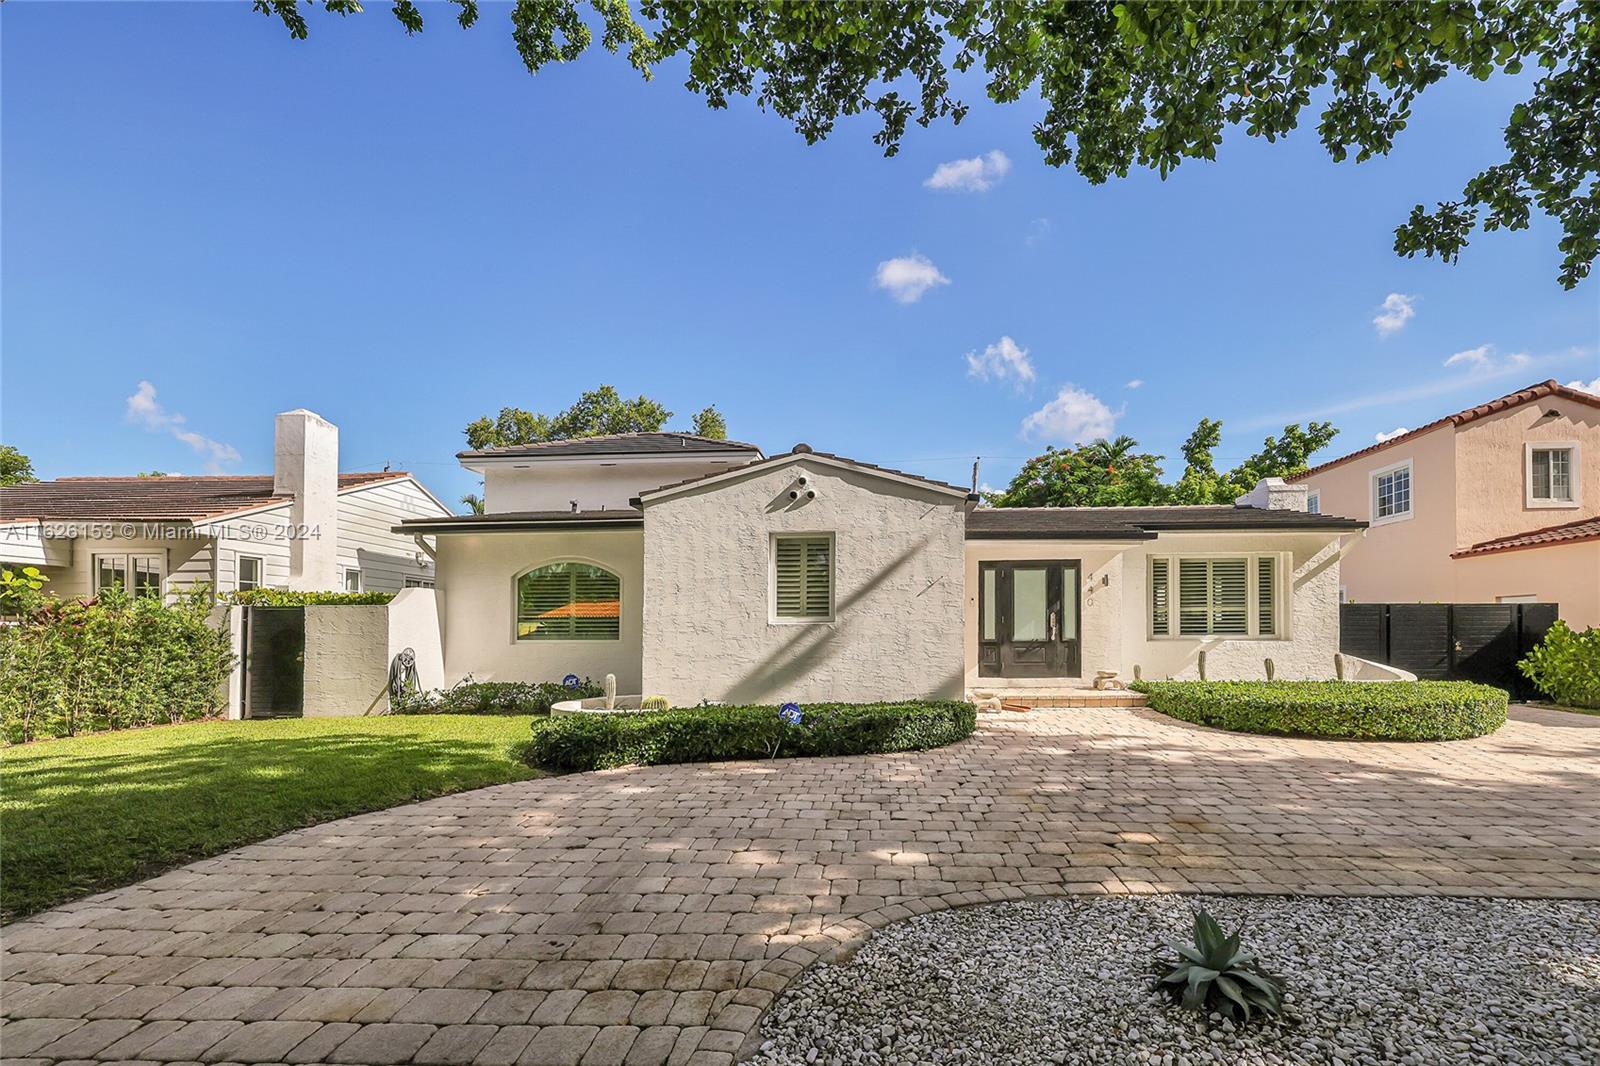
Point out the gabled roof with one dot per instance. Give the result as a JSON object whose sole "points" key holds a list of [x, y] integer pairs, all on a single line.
{"points": [[797, 454], [157, 498], [525, 521], [1142, 523], [615, 444], [1460, 418], [1566, 533]]}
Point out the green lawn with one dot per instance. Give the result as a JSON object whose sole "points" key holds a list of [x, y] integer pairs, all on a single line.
{"points": [[86, 814]]}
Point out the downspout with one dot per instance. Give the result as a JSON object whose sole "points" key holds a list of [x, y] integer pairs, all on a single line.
{"points": [[427, 549]]}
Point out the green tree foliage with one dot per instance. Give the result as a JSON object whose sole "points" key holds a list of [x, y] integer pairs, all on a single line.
{"points": [[1566, 666], [152, 473], [710, 423], [1116, 474], [15, 468], [473, 503], [596, 412], [1134, 83]]}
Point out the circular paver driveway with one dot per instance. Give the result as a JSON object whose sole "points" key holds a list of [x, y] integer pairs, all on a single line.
{"points": [[650, 915]]}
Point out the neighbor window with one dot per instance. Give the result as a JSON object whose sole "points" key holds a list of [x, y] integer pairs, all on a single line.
{"points": [[1314, 502], [1391, 493], [352, 580], [1551, 481], [802, 577], [418, 583], [249, 572], [569, 601], [1215, 596], [139, 575]]}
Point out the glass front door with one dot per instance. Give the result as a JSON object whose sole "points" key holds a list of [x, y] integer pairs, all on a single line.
{"points": [[1028, 619]]}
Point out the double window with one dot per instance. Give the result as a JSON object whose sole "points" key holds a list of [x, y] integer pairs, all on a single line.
{"points": [[1391, 493], [1224, 595], [802, 578], [138, 575], [569, 601], [1552, 475]]}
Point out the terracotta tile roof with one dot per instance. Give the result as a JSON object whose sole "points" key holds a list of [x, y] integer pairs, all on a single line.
{"points": [[1483, 410], [1566, 533], [806, 449], [665, 443], [173, 498]]}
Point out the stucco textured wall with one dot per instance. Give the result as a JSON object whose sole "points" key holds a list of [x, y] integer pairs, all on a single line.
{"points": [[346, 660], [899, 591], [1491, 455], [477, 577], [1564, 574]]}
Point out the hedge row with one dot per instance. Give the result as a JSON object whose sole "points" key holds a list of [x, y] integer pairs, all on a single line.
{"points": [[707, 734], [494, 697], [1349, 710], [288, 598]]}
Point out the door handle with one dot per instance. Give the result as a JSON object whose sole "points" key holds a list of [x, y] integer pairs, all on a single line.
{"points": [[1052, 625]]}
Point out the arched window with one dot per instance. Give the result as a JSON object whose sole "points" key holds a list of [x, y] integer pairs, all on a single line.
{"points": [[568, 601]]}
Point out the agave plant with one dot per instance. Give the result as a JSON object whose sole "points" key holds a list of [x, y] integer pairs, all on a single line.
{"points": [[1216, 974]]}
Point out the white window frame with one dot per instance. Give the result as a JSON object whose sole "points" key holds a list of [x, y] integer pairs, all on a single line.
{"points": [[1574, 474], [418, 583], [238, 571], [1282, 597], [622, 610], [773, 618], [348, 570], [127, 558], [1411, 494], [1314, 502]]}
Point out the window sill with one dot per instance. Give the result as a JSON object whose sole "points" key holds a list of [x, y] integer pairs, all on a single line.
{"points": [[801, 621], [1391, 519], [1554, 505]]}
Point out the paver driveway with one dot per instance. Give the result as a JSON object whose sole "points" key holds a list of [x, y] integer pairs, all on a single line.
{"points": [[649, 915]]}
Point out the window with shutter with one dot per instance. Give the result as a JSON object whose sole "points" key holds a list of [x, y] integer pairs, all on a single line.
{"points": [[1160, 599], [1267, 595], [569, 601], [802, 586], [1213, 597]]}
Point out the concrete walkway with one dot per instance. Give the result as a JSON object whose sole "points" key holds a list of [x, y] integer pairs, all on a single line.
{"points": [[649, 916]]}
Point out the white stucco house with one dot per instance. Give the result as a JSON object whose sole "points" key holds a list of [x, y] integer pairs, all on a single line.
{"points": [[305, 526], [702, 569]]}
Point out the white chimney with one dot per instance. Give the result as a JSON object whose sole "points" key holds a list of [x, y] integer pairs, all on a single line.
{"points": [[306, 466], [1275, 494]]}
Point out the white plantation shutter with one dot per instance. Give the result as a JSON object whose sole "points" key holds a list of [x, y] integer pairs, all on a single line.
{"points": [[803, 577], [1160, 598], [1194, 600], [1229, 613], [1266, 595], [1213, 597], [569, 601]]}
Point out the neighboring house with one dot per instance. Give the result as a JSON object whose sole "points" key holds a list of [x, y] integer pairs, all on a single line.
{"points": [[1499, 503], [305, 526], [700, 569]]}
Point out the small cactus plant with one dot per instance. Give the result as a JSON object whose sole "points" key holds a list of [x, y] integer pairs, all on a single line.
{"points": [[654, 703], [610, 690]]}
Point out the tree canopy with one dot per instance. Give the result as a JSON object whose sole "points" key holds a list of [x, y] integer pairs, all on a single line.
{"points": [[596, 412], [1132, 83], [15, 468], [1116, 474]]}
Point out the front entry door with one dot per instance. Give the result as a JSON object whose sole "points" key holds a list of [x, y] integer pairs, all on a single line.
{"points": [[1028, 619]]}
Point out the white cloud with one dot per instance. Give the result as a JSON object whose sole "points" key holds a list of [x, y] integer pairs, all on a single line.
{"points": [[1484, 360], [1397, 310], [1073, 417], [1038, 230], [907, 277], [1136, 383], [145, 410], [1397, 431], [1002, 360], [1586, 386], [978, 174]]}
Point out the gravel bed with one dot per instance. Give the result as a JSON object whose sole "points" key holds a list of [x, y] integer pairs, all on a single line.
{"points": [[1421, 981]]}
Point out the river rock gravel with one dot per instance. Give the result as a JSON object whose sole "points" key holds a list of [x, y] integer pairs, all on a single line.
{"points": [[1414, 981]]}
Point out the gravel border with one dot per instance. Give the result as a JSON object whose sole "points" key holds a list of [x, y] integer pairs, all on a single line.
{"points": [[1416, 981]]}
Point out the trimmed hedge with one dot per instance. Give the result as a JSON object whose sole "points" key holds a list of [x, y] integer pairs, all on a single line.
{"points": [[286, 598], [1346, 710], [494, 697], [709, 734]]}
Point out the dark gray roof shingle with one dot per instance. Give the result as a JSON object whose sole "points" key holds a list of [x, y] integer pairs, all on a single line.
{"points": [[524, 521], [1139, 523], [665, 443]]}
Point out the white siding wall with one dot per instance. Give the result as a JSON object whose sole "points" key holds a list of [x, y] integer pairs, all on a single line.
{"points": [[385, 558], [898, 591]]}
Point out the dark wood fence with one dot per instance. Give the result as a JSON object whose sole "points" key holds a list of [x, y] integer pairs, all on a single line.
{"points": [[1480, 642]]}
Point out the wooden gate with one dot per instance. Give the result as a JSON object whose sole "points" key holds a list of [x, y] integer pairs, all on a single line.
{"points": [[274, 645], [1480, 642]]}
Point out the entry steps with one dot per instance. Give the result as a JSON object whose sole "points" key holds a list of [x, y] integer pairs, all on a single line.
{"points": [[1069, 698]]}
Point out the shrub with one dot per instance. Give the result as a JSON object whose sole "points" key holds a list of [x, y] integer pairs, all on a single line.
{"points": [[1566, 666], [287, 598], [1215, 974], [709, 734], [1350, 710], [494, 697], [113, 662]]}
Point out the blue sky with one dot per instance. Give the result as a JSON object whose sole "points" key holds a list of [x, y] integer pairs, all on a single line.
{"points": [[405, 233]]}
